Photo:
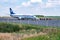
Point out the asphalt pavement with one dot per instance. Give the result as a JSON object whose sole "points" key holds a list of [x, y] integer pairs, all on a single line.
{"points": [[34, 22]]}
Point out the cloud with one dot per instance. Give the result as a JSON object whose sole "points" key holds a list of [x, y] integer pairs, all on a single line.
{"points": [[13, 1], [29, 7], [52, 3], [26, 3], [48, 4], [30, 2], [8, 1], [34, 1]]}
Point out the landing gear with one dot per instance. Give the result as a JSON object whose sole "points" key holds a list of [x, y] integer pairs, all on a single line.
{"points": [[21, 19]]}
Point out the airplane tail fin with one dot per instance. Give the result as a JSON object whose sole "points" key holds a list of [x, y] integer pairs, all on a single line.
{"points": [[11, 11]]}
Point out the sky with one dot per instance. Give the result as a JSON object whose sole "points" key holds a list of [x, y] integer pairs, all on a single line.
{"points": [[33, 7]]}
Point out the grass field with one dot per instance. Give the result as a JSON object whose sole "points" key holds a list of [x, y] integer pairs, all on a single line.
{"points": [[52, 17], [29, 32], [44, 37], [53, 34]]}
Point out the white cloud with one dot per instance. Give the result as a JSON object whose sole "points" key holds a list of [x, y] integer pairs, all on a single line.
{"points": [[25, 9], [49, 3], [13, 1], [52, 3], [9, 1], [26, 3], [34, 1], [30, 2]]}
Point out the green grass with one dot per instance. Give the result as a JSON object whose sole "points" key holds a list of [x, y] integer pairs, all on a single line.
{"points": [[53, 17], [50, 36], [53, 33], [44, 37], [8, 27]]}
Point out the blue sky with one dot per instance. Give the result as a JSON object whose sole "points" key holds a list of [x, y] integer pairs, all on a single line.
{"points": [[34, 7]]}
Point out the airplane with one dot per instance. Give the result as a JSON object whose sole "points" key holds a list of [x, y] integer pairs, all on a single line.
{"points": [[22, 17]]}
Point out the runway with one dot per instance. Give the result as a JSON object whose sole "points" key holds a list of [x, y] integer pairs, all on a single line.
{"points": [[34, 22]]}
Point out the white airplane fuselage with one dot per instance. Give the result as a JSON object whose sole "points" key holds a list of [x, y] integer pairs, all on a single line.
{"points": [[12, 14]]}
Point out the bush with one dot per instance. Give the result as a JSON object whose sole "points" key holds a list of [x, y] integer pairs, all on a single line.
{"points": [[7, 27]]}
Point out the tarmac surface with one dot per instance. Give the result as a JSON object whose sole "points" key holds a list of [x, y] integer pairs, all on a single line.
{"points": [[55, 23]]}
